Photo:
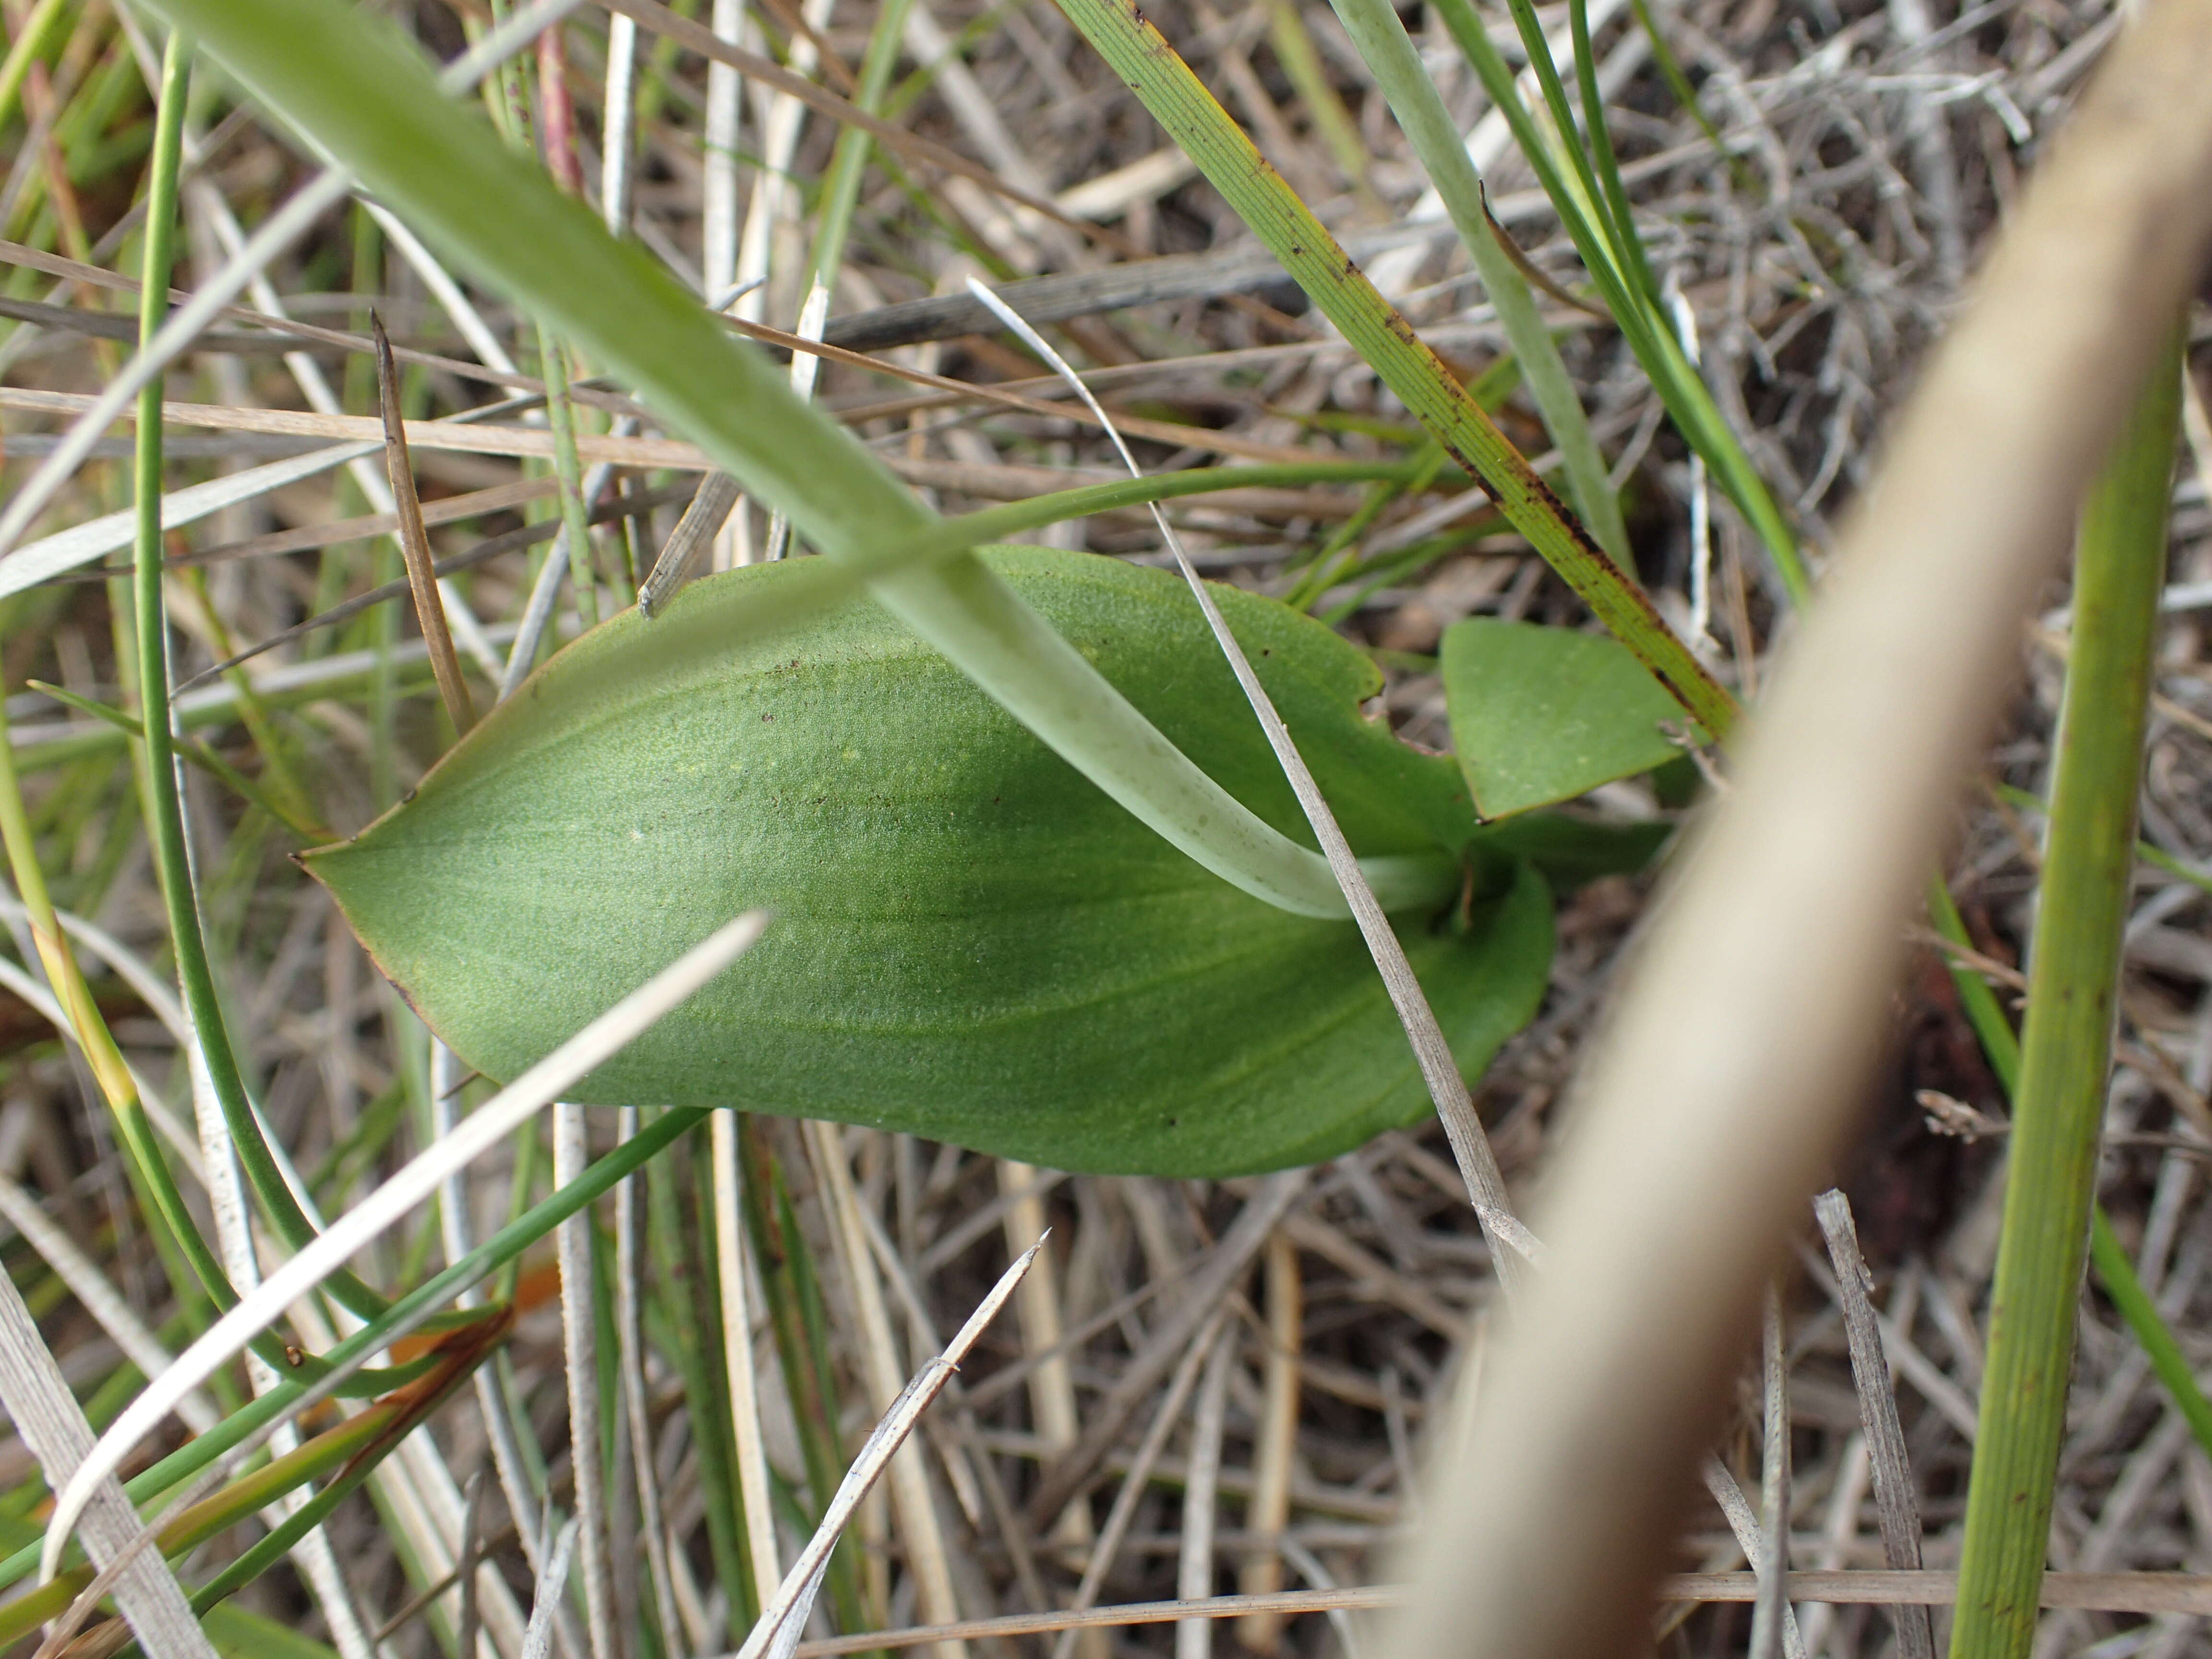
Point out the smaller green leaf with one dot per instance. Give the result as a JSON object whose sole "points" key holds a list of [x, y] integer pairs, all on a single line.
{"points": [[1543, 715]]}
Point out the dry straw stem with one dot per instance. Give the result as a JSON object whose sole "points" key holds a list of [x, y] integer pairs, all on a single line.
{"points": [[415, 543], [1716, 1102]]}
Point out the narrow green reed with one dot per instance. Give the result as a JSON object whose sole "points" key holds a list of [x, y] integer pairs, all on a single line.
{"points": [[1180, 102], [561, 415], [848, 162], [2066, 1051], [164, 807], [1602, 159], [1377, 31], [149, 1163]]}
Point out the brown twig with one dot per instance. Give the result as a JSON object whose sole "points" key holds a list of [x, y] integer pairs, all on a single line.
{"points": [[415, 543]]}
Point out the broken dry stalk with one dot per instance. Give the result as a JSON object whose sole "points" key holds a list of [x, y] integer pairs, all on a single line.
{"points": [[415, 543]]}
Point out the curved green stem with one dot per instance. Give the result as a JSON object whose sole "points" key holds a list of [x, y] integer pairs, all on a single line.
{"points": [[165, 820]]}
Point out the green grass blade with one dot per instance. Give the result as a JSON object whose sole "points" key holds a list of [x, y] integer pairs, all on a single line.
{"points": [[1376, 29], [366, 96], [1180, 103], [1310, 78], [38, 33], [2066, 1051], [2109, 1258], [1602, 160]]}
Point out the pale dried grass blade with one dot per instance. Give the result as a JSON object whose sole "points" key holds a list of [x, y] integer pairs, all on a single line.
{"points": [[733, 1270], [1717, 1096], [1896, 1504], [688, 542], [922, 1535], [579, 1349], [545, 1603], [1275, 1447], [75, 548], [54, 1425], [1771, 1611], [2142, 1593], [107, 1304], [786, 1614], [1194, 1570]]}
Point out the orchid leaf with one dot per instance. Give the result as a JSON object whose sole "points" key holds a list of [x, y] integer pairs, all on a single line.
{"points": [[1544, 714], [971, 942]]}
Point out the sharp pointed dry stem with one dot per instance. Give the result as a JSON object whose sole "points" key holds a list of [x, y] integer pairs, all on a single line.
{"points": [[2066, 1049], [1896, 1504], [580, 1350], [415, 544], [734, 1270]]}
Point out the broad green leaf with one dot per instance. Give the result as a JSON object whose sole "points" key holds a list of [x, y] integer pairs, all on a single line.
{"points": [[1543, 715], [971, 941]]}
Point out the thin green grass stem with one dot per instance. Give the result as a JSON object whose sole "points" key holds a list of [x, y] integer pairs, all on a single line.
{"points": [[561, 415], [2108, 1260], [2066, 1050], [2157, 857], [1381, 37], [848, 162], [38, 32], [165, 820], [1181, 103], [1310, 78], [1670, 70], [1603, 162]]}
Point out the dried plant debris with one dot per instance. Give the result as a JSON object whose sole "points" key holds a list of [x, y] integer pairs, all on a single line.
{"points": [[1220, 1390]]}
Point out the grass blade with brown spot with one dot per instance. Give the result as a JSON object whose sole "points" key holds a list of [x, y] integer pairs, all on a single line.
{"points": [[1142, 57]]}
